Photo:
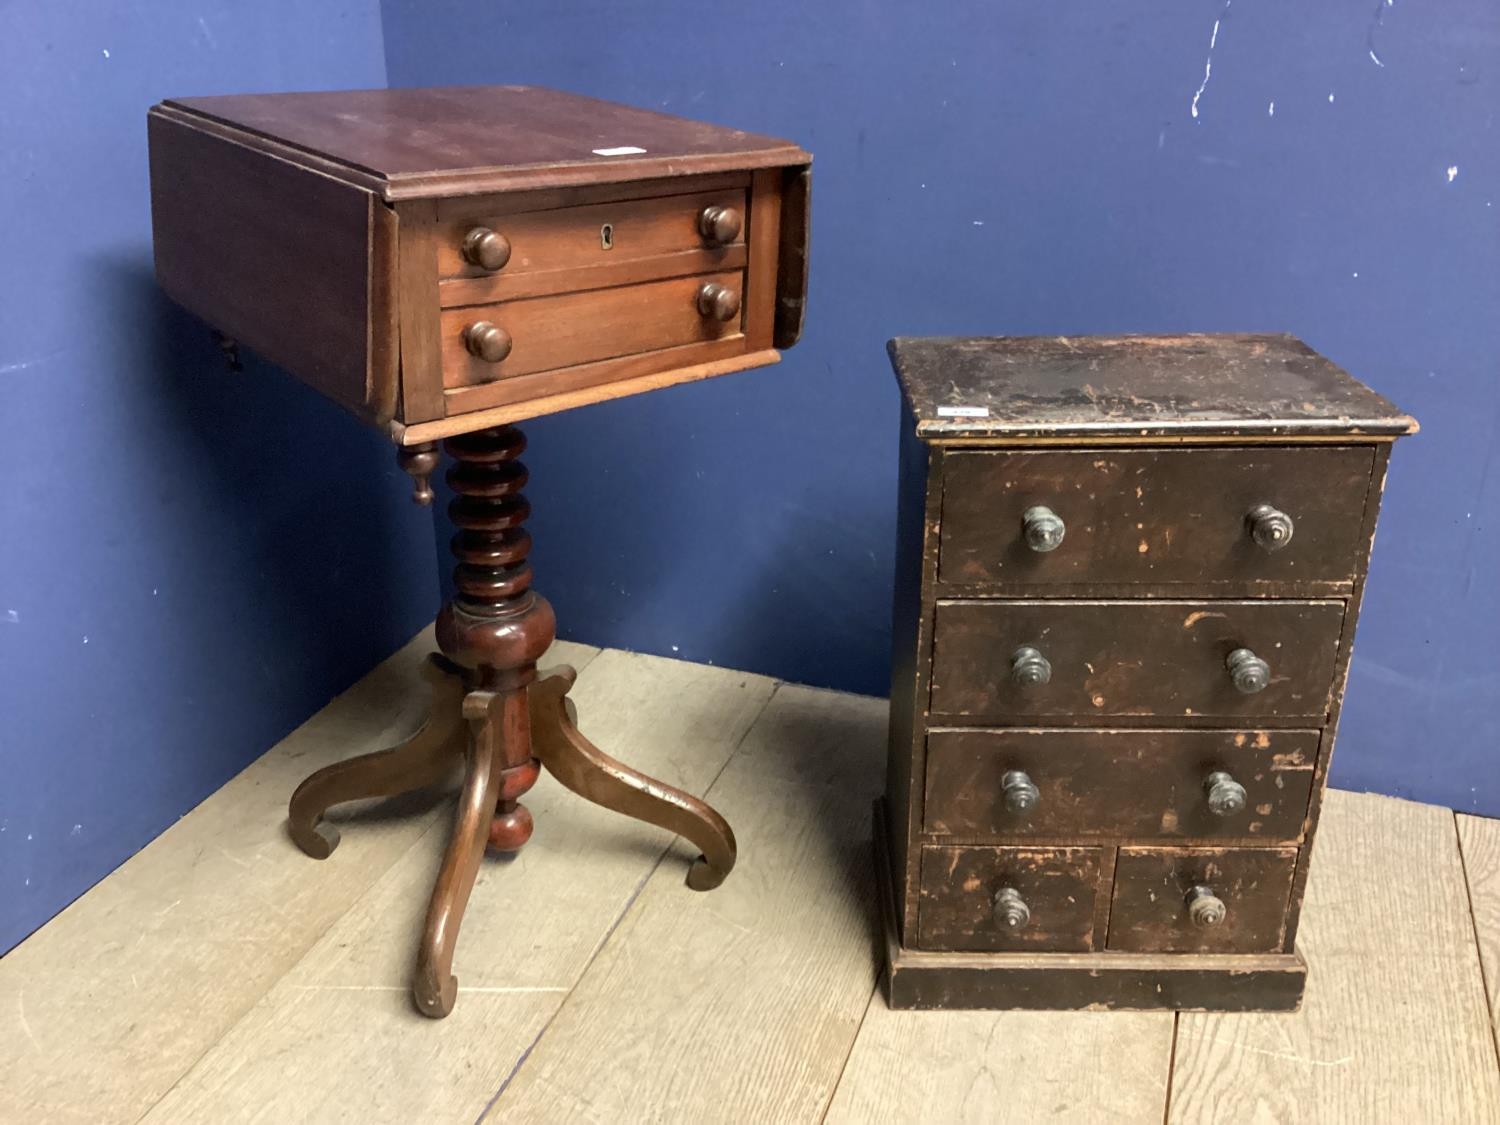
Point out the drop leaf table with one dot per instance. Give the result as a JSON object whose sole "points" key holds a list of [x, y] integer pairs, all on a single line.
{"points": [[444, 263]]}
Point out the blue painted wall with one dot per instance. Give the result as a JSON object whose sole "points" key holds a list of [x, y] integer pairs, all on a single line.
{"points": [[191, 562], [1030, 166]]}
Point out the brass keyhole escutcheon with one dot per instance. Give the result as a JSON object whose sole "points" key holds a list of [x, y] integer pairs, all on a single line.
{"points": [[607, 236]]}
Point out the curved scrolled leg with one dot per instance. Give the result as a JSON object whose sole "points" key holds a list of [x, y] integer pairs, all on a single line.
{"points": [[595, 776], [421, 760], [436, 988]]}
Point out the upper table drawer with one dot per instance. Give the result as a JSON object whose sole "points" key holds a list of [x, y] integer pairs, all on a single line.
{"points": [[1009, 660], [1232, 517], [689, 233]]}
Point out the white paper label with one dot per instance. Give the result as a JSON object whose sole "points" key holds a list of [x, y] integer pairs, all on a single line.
{"points": [[623, 150], [963, 412]]}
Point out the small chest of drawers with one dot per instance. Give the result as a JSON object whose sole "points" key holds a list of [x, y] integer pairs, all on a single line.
{"points": [[1127, 581]]}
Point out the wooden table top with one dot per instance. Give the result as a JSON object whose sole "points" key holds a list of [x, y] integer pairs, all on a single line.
{"points": [[1134, 387], [469, 139]]}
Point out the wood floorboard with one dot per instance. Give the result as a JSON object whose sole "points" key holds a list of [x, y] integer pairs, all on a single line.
{"points": [[1394, 1026], [220, 975], [739, 1005]]}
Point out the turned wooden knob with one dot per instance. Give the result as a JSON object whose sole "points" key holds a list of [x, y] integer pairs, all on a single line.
{"points": [[719, 225], [1205, 908], [1011, 911], [1029, 668], [1021, 793], [419, 462], [1249, 672], [487, 341], [1270, 528], [486, 249], [1043, 528], [1226, 796], [718, 302]]}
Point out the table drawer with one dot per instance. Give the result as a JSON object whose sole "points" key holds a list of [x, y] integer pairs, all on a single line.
{"points": [[1008, 660], [1200, 900], [598, 235], [1140, 784], [1008, 898], [1155, 516], [548, 333]]}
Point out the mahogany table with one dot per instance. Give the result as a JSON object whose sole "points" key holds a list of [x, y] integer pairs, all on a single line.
{"points": [[446, 262]]}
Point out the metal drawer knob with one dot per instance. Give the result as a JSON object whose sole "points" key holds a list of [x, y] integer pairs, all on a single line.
{"points": [[487, 341], [486, 249], [1270, 528], [1029, 668], [719, 225], [1021, 793], [1205, 909], [1011, 911], [718, 302], [1249, 672], [1226, 796], [1043, 528]]}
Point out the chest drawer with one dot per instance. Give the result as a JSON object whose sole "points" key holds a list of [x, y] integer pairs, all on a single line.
{"points": [[1200, 900], [547, 333], [1009, 660], [1120, 784], [1008, 898], [1230, 517]]}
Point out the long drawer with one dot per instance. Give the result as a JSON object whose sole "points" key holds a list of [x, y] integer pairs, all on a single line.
{"points": [[1112, 784], [1004, 661], [1229, 517]]}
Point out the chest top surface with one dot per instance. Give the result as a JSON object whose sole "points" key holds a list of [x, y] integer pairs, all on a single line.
{"points": [[1134, 388], [468, 139]]}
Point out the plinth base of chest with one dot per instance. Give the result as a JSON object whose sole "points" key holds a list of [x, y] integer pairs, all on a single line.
{"points": [[921, 979]]}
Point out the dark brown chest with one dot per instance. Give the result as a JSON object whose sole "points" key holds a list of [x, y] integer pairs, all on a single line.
{"points": [[1128, 576]]}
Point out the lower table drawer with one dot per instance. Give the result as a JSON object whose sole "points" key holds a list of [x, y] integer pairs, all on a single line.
{"points": [[1008, 898], [1200, 900], [488, 343], [1120, 784]]}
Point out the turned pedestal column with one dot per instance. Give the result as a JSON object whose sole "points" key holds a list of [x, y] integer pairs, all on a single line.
{"points": [[491, 710]]}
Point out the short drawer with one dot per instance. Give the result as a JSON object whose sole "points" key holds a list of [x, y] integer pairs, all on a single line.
{"points": [[1140, 784], [1200, 900], [588, 237], [548, 333], [1009, 660], [1008, 898], [1231, 517]]}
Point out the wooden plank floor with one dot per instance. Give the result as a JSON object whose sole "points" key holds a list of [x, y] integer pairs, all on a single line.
{"points": [[220, 975]]}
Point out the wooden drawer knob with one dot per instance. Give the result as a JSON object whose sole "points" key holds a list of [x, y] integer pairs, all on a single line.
{"points": [[1226, 796], [719, 225], [1043, 528], [487, 341], [1249, 672], [1029, 668], [718, 302], [1021, 793], [486, 249], [1270, 528], [1011, 911], [1205, 909]]}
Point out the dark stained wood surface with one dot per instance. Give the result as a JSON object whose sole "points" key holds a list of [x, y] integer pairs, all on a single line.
{"points": [[959, 885], [1162, 659], [1150, 912], [1135, 387], [468, 139], [297, 267], [1119, 785], [1159, 516]]}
